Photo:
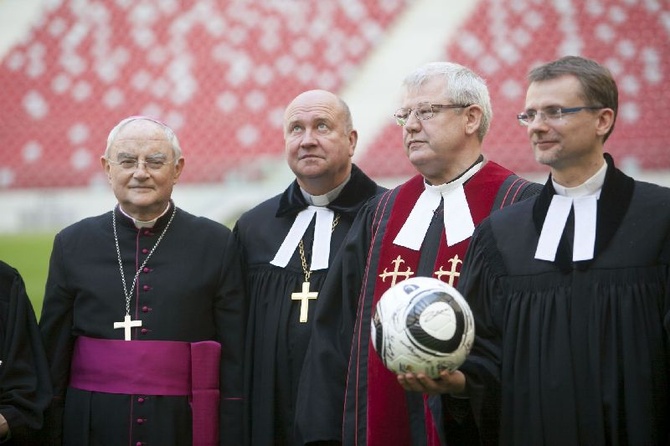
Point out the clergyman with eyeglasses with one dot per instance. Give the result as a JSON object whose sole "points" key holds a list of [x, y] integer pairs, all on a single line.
{"points": [[571, 289], [420, 228], [142, 319]]}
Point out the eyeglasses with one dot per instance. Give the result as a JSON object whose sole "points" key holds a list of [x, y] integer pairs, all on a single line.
{"points": [[423, 111], [550, 114], [134, 163]]}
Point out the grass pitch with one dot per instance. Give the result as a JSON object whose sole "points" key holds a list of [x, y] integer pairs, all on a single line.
{"points": [[29, 253]]}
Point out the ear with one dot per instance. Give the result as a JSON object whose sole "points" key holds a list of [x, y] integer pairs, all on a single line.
{"points": [[353, 140], [605, 121], [106, 167], [178, 169], [473, 115]]}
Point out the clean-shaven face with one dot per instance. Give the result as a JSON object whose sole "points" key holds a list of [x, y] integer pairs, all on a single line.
{"points": [[143, 192]]}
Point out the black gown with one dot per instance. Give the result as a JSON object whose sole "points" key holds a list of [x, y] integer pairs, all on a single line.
{"points": [[573, 353], [25, 389], [191, 290], [277, 341]]}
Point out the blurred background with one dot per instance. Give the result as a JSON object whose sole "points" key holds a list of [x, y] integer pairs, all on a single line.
{"points": [[220, 72]]}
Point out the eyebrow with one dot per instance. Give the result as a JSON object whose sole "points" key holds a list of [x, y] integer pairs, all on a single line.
{"points": [[151, 156]]}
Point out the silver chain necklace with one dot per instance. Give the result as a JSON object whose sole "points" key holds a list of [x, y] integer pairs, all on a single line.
{"points": [[129, 294]]}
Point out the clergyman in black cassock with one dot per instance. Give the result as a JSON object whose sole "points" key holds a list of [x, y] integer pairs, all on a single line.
{"points": [[571, 289], [280, 259], [143, 316]]}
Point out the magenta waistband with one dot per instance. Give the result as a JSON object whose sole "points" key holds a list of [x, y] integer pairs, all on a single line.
{"points": [[131, 367], [154, 368]]}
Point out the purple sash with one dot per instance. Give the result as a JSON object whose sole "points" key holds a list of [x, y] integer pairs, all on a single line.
{"points": [[168, 368]]}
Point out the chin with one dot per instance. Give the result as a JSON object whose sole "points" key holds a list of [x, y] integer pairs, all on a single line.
{"points": [[546, 157], [418, 160]]}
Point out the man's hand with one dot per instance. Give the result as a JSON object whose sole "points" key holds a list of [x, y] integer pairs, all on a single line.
{"points": [[449, 382], [4, 427]]}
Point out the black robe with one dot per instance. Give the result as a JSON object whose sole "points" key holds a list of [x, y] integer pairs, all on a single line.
{"points": [[191, 290], [334, 403], [25, 389], [277, 341], [573, 353]]}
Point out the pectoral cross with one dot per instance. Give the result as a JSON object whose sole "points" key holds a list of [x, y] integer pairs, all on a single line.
{"points": [[127, 324], [304, 297]]}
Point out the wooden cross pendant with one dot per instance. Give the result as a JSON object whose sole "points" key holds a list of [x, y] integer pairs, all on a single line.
{"points": [[304, 297], [127, 324]]}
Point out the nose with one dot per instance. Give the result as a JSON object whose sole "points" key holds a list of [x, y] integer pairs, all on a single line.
{"points": [[308, 138], [141, 170], [412, 124], [538, 123]]}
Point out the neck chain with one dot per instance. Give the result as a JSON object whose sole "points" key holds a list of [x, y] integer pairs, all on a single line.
{"points": [[303, 257], [129, 294]]}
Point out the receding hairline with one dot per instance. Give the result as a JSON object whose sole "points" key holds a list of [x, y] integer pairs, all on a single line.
{"points": [[170, 135], [341, 107]]}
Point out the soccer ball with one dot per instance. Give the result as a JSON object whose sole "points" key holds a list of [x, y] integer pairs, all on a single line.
{"points": [[422, 325]]}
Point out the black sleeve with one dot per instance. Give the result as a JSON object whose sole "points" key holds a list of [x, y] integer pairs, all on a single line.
{"points": [[321, 391], [24, 373], [231, 326]]}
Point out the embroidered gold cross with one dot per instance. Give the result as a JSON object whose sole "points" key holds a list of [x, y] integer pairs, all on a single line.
{"points": [[396, 271], [452, 273]]}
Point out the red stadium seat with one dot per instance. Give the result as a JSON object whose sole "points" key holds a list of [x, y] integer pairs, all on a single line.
{"points": [[220, 73]]}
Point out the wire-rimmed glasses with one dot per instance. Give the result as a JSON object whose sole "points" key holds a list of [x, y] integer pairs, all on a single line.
{"points": [[550, 114], [423, 111], [134, 163]]}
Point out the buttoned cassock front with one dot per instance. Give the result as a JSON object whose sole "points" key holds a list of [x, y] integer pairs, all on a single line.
{"points": [[190, 290]]}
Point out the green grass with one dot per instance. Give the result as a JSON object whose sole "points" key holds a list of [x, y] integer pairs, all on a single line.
{"points": [[29, 253]]}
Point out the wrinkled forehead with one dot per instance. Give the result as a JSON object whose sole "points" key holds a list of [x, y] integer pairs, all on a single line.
{"points": [[431, 90], [312, 104], [310, 112]]}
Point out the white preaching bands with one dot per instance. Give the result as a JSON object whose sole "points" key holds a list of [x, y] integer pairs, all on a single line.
{"points": [[584, 200], [320, 244], [322, 230], [458, 223]]}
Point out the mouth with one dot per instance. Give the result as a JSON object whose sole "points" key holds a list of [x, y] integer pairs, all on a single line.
{"points": [[309, 157], [414, 144], [545, 143]]}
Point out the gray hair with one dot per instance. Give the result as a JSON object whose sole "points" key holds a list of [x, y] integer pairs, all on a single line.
{"points": [[169, 134], [461, 86]]}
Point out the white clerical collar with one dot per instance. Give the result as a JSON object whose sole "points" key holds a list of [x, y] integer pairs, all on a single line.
{"points": [[322, 230], [458, 223], [327, 198], [144, 224], [584, 200], [589, 187]]}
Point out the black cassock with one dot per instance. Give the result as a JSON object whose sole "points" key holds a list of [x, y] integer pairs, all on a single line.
{"points": [[277, 340], [25, 390], [190, 290], [573, 353]]}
